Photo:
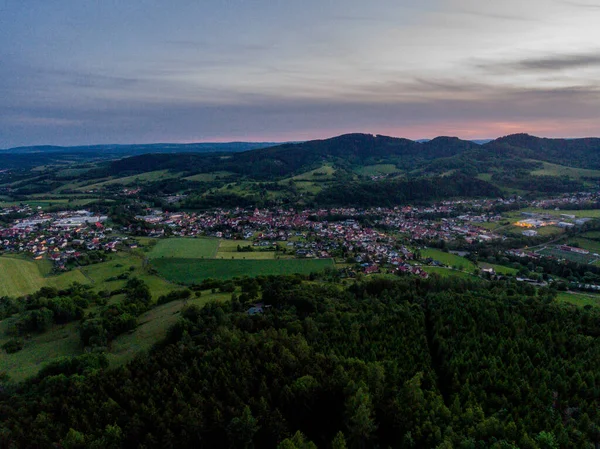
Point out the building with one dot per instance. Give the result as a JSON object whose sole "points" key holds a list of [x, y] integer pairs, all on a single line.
{"points": [[530, 233]]}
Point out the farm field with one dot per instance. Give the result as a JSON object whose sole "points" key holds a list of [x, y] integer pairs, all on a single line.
{"points": [[228, 250], [544, 231], [20, 276], [324, 173], [584, 213], [196, 270], [580, 300], [185, 248], [99, 273], [447, 272], [500, 269], [579, 258], [448, 259], [584, 243], [128, 180], [593, 235], [377, 169], [562, 171], [209, 177]]}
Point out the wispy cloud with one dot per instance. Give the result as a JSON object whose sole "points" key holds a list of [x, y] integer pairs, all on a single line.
{"points": [[550, 63]]}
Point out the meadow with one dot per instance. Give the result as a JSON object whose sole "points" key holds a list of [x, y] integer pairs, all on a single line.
{"points": [[196, 270], [228, 250], [377, 169], [64, 341], [562, 171], [499, 269], [185, 248], [449, 259], [580, 300], [447, 272], [579, 258], [19, 276], [591, 245]]}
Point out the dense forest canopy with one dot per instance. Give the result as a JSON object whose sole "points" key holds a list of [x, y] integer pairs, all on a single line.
{"points": [[378, 363]]}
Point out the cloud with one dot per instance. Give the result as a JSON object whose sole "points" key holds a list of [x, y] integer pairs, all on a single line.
{"points": [[557, 63]]}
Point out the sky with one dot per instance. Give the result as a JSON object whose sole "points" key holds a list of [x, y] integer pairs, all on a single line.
{"points": [[75, 72]]}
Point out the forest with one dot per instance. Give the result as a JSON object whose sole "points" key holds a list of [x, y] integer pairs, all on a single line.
{"points": [[375, 363]]}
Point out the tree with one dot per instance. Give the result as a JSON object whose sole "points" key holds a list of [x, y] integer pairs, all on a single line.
{"points": [[241, 429], [359, 415], [339, 441]]}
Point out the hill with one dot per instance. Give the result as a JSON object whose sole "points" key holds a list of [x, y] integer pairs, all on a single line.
{"points": [[366, 165]]}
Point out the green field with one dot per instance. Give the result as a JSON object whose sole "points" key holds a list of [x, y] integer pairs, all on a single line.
{"points": [[185, 248], [99, 273], [63, 340], [451, 260], [564, 172], [135, 179], [584, 213], [228, 250], [209, 177], [324, 173], [500, 269], [579, 258], [446, 272], [20, 277], [590, 245], [196, 270], [153, 327], [377, 169], [580, 300]]}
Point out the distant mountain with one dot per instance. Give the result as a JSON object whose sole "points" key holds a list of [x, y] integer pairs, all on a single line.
{"points": [[351, 150], [204, 147], [20, 157]]}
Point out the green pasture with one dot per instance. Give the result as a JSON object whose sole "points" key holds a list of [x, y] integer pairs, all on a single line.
{"points": [[196, 270], [580, 300], [449, 259], [185, 248]]}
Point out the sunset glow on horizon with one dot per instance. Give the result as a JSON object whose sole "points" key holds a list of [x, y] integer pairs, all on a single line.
{"points": [[82, 72]]}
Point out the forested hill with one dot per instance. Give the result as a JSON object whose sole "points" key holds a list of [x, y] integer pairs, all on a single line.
{"points": [[438, 363], [584, 153], [31, 156], [353, 150]]}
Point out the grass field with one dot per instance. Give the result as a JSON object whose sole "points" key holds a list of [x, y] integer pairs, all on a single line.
{"points": [[544, 231], [63, 341], [185, 248], [209, 177], [20, 277], [196, 270], [153, 327], [590, 245], [562, 171], [451, 260], [446, 272], [579, 300], [500, 269], [593, 235], [584, 213], [228, 250], [579, 258], [377, 169], [324, 173], [99, 273], [129, 180]]}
